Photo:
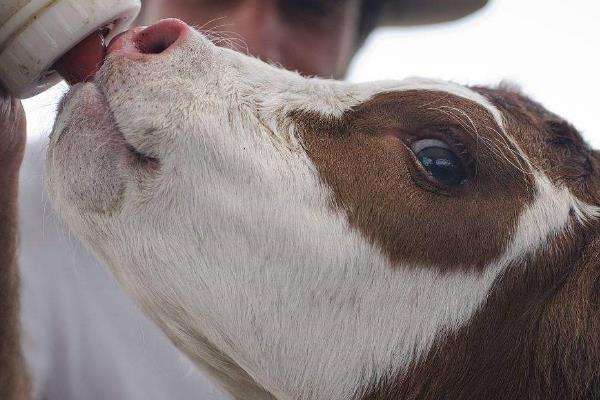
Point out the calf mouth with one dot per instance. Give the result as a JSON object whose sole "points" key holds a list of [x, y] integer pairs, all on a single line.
{"points": [[93, 105]]}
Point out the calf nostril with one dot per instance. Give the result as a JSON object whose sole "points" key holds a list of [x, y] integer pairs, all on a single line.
{"points": [[159, 37]]}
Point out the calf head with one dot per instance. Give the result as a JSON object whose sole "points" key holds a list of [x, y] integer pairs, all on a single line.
{"points": [[312, 239]]}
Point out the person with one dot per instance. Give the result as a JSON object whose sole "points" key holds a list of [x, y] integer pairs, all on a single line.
{"points": [[82, 338]]}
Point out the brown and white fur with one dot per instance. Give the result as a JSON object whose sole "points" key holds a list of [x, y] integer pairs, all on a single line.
{"points": [[283, 235]]}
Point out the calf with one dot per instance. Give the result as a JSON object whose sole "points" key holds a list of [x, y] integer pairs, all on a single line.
{"points": [[312, 239]]}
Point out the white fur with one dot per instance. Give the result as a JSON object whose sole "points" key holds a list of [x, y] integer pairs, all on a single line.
{"points": [[234, 249]]}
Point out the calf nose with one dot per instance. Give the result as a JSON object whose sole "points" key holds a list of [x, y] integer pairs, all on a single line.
{"points": [[153, 40]]}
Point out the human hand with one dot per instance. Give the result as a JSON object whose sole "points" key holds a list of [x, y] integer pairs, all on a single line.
{"points": [[13, 379], [12, 138]]}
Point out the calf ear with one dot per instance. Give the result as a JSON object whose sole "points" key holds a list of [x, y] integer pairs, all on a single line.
{"points": [[593, 185], [570, 329]]}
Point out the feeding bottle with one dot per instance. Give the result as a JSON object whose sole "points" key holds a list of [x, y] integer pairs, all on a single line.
{"points": [[36, 34]]}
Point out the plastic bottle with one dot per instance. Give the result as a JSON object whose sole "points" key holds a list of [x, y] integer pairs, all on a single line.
{"points": [[34, 34]]}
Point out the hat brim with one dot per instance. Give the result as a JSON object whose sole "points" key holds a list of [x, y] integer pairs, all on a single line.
{"points": [[420, 12]]}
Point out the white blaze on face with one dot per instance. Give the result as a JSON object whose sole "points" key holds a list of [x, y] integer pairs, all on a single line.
{"points": [[234, 244]]}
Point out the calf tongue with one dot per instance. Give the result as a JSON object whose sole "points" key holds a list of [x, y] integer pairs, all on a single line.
{"points": [[82, 62]]}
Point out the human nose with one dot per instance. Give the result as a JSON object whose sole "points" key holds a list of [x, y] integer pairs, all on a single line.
{"points": [[259, 25]]}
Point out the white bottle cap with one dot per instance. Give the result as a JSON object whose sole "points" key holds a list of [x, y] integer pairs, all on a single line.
{"points": [[43, 30]]}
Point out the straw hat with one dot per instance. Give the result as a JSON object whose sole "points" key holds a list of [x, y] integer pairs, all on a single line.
{"points": [[418, 12]]}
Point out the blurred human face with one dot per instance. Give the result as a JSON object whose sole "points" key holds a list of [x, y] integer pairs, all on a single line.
{"points": [[314, 37]]}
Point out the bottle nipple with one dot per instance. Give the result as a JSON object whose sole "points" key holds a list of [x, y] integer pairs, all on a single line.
{"points": [[81, 63]]}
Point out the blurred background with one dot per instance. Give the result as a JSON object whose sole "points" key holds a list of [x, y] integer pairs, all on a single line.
{"points": [[550, 48]]}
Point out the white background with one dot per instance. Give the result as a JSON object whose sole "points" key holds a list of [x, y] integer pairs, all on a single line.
{"points": [[551, 48]]}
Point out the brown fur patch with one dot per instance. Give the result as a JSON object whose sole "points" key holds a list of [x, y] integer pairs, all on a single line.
{"points": [[378, 183]]}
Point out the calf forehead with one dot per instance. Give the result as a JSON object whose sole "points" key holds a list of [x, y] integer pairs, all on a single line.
{"points": [[552, 144]]}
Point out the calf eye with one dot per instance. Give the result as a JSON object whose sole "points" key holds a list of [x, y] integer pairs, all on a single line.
{"points": [[440, 161]]}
